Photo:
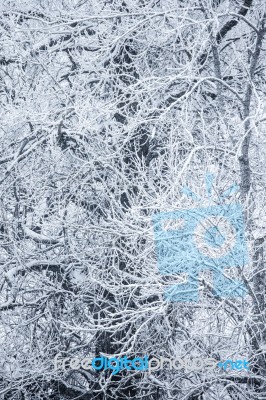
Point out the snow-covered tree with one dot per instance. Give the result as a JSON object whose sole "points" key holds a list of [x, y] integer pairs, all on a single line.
{"points": [[108, 109]]}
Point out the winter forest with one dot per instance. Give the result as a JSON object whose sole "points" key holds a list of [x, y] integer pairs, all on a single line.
{"points": [[109, 109]]}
